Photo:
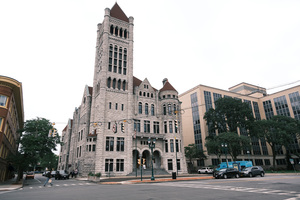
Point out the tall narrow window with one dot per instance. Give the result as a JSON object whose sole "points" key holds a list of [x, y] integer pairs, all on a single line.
{"points": [[166, 146], [147, 126], [109, 144], [146, 109], [140, 108], [109, 163], [125, 34], [114, 83], [156, 127], [152, 110], [172, 145], [170, 164], [120, 144], [121, 32], [111, 29], [109, 82], [124, 85], [164, 109], [116, 31], [119, 84], [170, 127], [177, 146], [169, 109], [165, 127]]}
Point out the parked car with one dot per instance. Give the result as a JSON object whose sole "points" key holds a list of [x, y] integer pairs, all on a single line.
{"points": [[205, 170], [61, 174], [29, 175], [53, 173], [253, 171], [227, 173]]}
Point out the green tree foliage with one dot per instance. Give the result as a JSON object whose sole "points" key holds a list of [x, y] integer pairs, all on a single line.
{"points": [[35, 144], [228, 115], [49, 161], [278, 131], [192, 152], [235, 144]]}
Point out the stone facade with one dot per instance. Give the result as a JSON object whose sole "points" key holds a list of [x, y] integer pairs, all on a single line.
{"points": [[120, 113]]}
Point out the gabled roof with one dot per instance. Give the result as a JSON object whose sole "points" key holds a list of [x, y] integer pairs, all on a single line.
{"points": [[167, 86], [136, 81], [118, 13]]}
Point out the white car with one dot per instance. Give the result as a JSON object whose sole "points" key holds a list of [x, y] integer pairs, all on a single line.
{"points": [[205, 170]]}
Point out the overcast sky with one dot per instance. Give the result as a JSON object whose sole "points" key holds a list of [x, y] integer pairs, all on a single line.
{"points": [[49, 46]]}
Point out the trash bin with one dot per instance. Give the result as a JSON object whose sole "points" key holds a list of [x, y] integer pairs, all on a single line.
{"points": [[173, 175]]}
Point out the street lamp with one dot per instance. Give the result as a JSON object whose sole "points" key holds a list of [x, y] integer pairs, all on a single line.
{"points": [[151, 143], [224, 147]]}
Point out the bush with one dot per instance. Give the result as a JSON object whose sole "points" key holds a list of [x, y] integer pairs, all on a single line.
{"points": [[91, 174], [98, 174]]}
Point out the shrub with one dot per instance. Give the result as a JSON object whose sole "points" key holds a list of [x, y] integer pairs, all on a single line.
{"points": [[98, 174], [91, 174]]}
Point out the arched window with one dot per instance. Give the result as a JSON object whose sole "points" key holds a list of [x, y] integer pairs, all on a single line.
{"points": [[125, 33], [111, 29], [152, 110], [116, 31], [144, 94], [114, 83], [169, 109], [124, 85], [140, 93], [140, 108], [175, 109], [164, 109], [119, 84], [121, 32], [109, 82], [146, 109]]}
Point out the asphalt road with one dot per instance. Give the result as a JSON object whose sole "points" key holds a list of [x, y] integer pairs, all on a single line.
{"points": [[283, 187]]}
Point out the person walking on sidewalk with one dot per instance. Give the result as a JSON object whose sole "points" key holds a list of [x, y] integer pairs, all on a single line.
{"points": [[48, 180]]}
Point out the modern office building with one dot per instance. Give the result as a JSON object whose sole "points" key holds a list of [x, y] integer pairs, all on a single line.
{"points": [[198, 100], [121, 118], [11, 120]]}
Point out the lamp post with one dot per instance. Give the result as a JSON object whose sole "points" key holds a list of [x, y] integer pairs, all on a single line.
{"points": [[151, 143], [224, 146]]}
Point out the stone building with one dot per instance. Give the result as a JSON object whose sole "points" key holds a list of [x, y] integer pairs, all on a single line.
{"points": [[120, 113], [11, 120]]}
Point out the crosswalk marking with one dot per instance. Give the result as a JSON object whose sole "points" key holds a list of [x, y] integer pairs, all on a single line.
{"points": [[233, 188], [57, 185]]}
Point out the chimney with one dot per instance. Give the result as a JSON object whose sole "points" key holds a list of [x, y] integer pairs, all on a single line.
{"points": [[164, 81]]}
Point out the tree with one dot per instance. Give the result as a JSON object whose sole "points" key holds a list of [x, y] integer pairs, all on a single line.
{"points": [[35, 143], [229, 115], [50, 161], [192, 152], [235, 143], [213, 145], [278, 131]]}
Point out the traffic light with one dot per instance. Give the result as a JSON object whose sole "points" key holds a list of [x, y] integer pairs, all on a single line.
{"points": [[122, 127], [176, 123], [144, 161], [139, 161]]}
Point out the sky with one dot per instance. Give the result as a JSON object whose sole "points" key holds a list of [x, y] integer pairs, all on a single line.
{"points": [[49, 46]]}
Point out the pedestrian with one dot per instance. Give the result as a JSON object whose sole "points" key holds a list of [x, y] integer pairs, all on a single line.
{"points": [[72, 173], [76, 172], [48, 180]]}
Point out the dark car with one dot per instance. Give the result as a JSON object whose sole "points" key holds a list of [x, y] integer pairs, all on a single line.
{"points": [[61, 174], [253, 171], [227, 173]]}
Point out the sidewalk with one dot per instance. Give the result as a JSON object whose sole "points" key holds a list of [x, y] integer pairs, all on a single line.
{"points": [[147, 179], [11, 184]]}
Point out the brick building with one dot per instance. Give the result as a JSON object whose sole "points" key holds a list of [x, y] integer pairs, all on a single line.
{"points": [[11, 120]]}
